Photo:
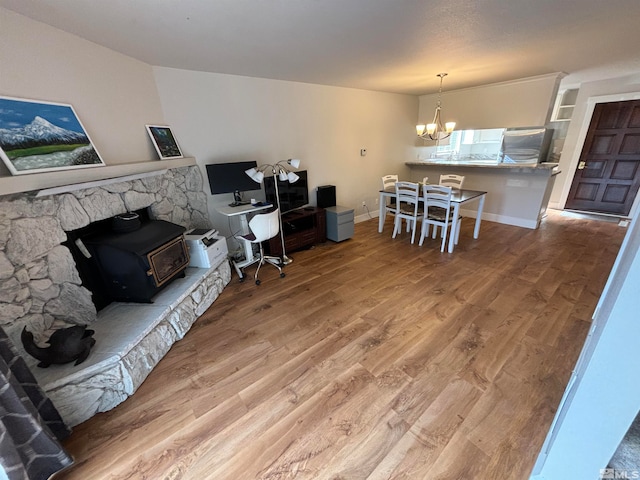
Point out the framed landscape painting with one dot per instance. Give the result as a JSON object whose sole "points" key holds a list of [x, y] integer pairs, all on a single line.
{"points": [[38, 136], [164, 141]]}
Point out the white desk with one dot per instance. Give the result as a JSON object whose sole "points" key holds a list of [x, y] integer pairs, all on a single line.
{"points": [[458, 197], [241, 212]]}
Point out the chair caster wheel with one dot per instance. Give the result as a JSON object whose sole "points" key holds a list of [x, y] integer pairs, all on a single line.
{"points": [[282, 275], [241, 279], [257, 282]]}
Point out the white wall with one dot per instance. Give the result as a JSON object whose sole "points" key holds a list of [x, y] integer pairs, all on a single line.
{"points": [[223, 118], [113, 95], [605, 397], [623, 87], [526, 102]]}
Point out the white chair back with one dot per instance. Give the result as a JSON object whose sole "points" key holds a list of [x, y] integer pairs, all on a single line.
{"points": [[407, 200], [437, 211], [437, 197], [265, 226], [453, 181], [388, 181]]}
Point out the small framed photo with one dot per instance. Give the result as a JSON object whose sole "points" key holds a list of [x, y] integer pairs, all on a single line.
{"points": [[38, 136], [164, 141]]}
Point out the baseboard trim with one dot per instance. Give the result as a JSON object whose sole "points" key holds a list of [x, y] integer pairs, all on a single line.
{"points": [[490, 217]]}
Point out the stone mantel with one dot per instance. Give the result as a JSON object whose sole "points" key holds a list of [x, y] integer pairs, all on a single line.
{"points": [[38, 181]]}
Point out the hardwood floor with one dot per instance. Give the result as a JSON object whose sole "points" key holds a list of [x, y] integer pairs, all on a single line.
{"points": [[372, 359]]}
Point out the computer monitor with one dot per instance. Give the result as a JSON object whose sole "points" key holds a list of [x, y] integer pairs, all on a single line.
{"points": [[231, 178]]}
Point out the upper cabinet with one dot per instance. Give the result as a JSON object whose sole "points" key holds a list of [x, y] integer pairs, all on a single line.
{"points": [[563, 108]]}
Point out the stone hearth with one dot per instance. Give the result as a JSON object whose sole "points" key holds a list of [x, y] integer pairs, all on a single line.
{"points": [[131, 339], [40, 287]]}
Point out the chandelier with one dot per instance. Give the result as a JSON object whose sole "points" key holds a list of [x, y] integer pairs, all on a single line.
{"points": [[435, 130]]}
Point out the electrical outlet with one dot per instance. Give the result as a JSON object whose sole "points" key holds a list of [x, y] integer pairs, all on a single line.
{"points": [[364, 204]]}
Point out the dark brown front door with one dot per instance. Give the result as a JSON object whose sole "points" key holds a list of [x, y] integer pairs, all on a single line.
{"points": [[608, 174]]}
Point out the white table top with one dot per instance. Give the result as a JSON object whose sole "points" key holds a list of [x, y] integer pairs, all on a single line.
{"points": [[242, 209]]}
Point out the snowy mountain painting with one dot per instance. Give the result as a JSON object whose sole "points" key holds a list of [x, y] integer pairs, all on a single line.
{"points": [[41, 137]]}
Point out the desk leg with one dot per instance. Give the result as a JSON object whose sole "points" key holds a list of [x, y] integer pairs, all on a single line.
{"points": [[476, 229], [248, 249], [383, 213], [248, 259]]}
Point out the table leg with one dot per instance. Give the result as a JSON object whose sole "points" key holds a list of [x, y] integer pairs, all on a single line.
{"points": [[454, 226], [476, 229], [383, 212]]}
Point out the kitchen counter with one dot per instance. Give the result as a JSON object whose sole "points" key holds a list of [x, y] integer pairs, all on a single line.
{"points": [[518, 194], [481, 163]]}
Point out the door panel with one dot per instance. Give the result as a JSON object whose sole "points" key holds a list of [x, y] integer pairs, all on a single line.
{"points": [[587, 191], [607, 178], [594, 169], [624, 170], [602, 144], [634, 122], [615, 194], [630, 144]]}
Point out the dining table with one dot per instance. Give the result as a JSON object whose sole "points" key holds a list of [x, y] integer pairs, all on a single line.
{"points": [[458, 198]]}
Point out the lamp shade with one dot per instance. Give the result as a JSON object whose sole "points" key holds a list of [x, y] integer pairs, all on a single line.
{"points": [[292, 177], [282, 175], [294, 162], [255, 175]]}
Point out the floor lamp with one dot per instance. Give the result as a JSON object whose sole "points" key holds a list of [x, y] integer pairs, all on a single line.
{"points": [[280, 171]]}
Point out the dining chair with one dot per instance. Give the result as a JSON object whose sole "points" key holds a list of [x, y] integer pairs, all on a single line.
{"points": [[388, 182], [263, 227], [453, 181], [437, 212], [408, 201]]}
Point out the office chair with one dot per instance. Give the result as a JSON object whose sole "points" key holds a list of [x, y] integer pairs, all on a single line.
{"points": [[263, 227]]}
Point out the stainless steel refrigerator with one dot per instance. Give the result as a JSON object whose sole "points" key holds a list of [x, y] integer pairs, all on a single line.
{"points": [[527, 145]]}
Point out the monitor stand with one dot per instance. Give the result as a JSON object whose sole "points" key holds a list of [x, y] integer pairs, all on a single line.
{"points": [[237, 200]]}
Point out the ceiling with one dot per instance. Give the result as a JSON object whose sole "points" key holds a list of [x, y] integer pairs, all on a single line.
{"points": [[383, 45]]}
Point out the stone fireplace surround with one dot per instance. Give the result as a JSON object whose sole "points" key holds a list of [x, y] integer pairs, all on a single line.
{"points": [[40, 287]]}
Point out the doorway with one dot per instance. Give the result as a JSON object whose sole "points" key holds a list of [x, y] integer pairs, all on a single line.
{"points": [[608, 174]]}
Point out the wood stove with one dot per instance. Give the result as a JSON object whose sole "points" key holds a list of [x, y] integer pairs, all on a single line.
{"points": [[131, 264]]}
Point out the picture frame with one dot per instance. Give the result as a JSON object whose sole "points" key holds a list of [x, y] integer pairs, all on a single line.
{"points": [[38, 136], [164, 142]]}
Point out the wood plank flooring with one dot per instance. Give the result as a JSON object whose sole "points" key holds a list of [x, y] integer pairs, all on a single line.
{"points": [[372, 359]]}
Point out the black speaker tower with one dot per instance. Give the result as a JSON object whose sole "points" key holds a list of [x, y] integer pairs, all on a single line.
{"points": [[326, 196]]}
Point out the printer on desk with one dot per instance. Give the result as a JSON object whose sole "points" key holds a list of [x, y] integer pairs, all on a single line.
{"points": [[207, 248]]}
